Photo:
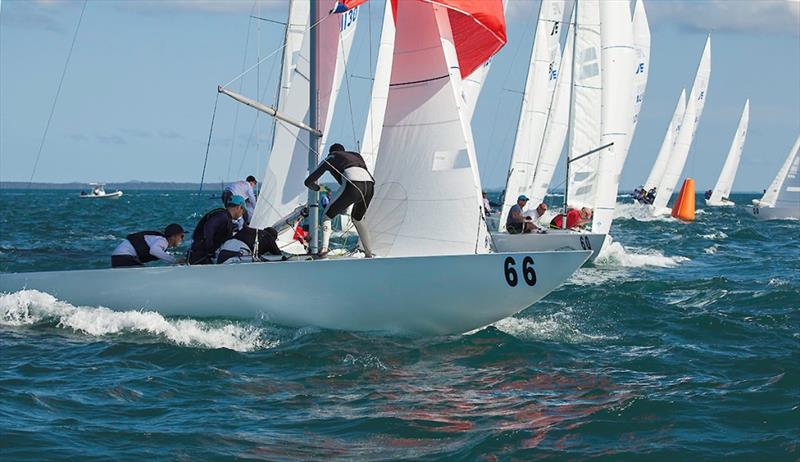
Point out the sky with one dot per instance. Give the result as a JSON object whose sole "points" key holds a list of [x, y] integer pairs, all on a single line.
{"points": [[140, 89]]}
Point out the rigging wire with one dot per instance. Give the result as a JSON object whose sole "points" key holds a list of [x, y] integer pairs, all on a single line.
{"points": [[58, 92], [208, 144], [241, 84]]}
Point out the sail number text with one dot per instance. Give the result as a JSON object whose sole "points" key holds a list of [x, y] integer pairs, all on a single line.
{"points": [[528, 273]]}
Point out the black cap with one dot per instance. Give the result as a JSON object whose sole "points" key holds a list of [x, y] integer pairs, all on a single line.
{"points": [[251, 179], [173, 229], [336, 147]]}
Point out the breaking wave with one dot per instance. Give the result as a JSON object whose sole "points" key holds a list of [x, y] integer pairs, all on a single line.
{"points": [[638, 212], [558, 326], [31, 307], [615, 255]]}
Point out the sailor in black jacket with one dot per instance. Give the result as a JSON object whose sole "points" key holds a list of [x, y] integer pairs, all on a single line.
{"points": [[357, 186]]}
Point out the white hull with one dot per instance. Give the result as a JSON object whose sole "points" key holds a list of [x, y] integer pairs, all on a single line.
{"points": [[551, 240], [722, 203], [113, 195], [776, 213], [417, 295]]}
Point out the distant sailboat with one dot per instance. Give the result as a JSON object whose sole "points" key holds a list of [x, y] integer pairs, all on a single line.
{"points": [[660, 165], [782, 198], [720, 195], [683, 142]]}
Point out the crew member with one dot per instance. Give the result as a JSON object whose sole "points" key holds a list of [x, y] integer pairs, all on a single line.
{"points": [[246, 190], [537, 214], [146, 246], [516, 223], [487, 206], [575, 218], [243, 245], [216, 227], [356, 188]]}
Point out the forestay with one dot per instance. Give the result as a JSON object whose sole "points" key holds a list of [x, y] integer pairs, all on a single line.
{"points": [[536, 104], [691, 118], [660, 165], [282, 191], [427, 196], [722, 190]]}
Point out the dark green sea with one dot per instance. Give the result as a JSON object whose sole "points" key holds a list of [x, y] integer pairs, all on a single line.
{"points": [[682, 344]]}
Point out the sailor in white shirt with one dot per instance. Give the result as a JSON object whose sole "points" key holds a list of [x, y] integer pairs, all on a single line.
{"points": [[146, 246], [246, 189]]}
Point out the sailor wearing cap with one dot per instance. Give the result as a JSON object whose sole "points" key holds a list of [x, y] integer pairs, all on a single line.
{"points": [[216, 227], [516, 222], [146, 246]]}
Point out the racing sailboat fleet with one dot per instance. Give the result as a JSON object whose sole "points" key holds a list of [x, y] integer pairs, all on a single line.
{"points": [[440, 267]]}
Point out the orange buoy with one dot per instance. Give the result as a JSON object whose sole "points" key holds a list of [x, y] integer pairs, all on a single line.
{"points": [[684, 206]]}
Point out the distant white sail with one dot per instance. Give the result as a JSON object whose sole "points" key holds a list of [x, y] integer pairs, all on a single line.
{"points": [[282, 190], [471, 88], [641, 42], [536, 104], [691, 119], [784, 191], [557, 126], [660, 165], [586, 106], [722, 190], [618, 57], [427, 199]]}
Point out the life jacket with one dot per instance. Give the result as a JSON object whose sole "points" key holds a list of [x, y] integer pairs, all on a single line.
{"points": [[140, 244], [197, 235]]}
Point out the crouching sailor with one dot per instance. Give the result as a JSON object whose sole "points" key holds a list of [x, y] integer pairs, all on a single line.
{"points": [[216, 227], [243, 245], [146, 246], [356, 189]]}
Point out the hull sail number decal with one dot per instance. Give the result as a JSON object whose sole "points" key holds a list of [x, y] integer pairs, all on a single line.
{"points": [[528, 272]]}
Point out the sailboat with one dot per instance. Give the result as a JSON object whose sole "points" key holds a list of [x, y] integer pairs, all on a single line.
{"points": [[660, 165], [601, 113], [435, 274], [683, 141], [782, 199], [721, 192]]}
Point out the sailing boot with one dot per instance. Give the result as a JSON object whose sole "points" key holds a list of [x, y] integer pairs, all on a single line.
{"points": [[326, 237]]}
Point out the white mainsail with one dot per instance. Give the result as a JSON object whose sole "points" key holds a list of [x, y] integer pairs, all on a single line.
{"points": [[641, 43], [427, 200], [618, 57], [557, 125], [471, 88], [282, 191], [660, 165], [536, 103], [587, 90], [691, 118], [775, 194], [722, 190]]}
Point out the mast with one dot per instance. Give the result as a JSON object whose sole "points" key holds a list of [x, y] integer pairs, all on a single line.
{"points": [[313, 139], [570, 128]]}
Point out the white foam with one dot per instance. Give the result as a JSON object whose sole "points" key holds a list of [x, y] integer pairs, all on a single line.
{"points": [[711, 250], [29, 307], [558, 326], [717, 235], [639, 212], [613, 254]]}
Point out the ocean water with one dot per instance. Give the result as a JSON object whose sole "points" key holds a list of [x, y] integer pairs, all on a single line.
{"points": [[681, 343]]}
